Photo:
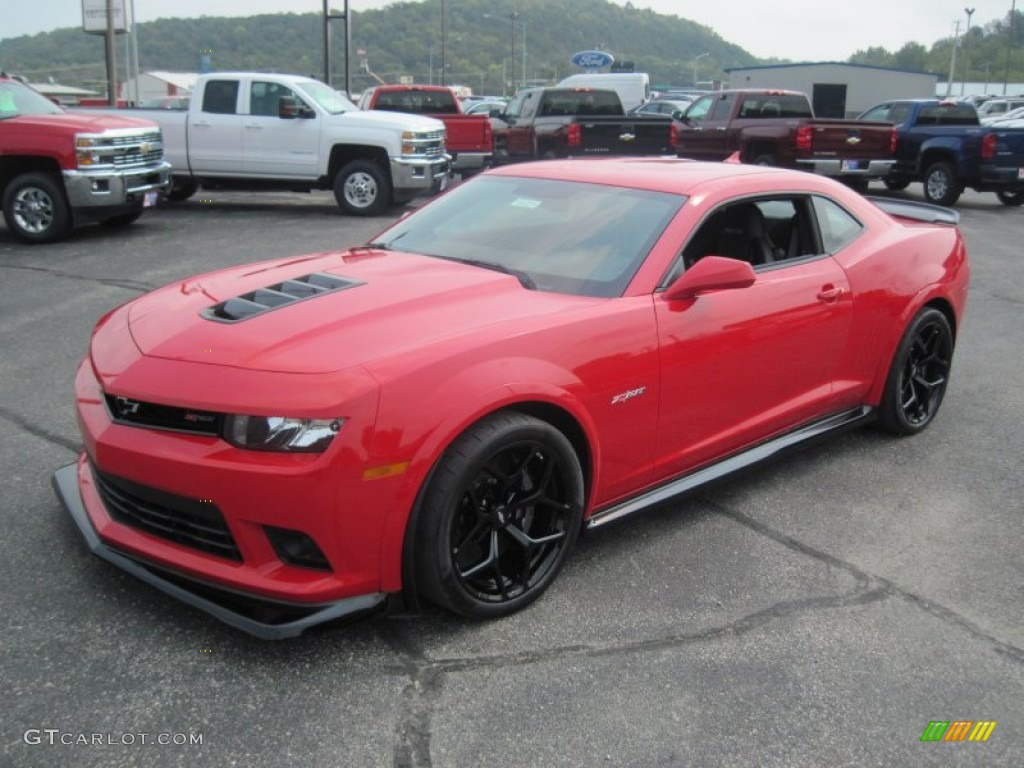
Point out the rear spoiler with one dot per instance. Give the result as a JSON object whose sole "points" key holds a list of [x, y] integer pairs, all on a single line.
{"points": [[911, 209]]}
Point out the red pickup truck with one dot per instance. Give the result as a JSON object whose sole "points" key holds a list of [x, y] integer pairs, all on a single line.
{"points": [[469, 140], [774, 127], [59, 169]]}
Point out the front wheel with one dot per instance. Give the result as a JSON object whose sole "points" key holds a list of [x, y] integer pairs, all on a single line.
{"points": [[919, 374], [1011, 198], [35, 209], [941, 186], [501, 513], [362, 188]]}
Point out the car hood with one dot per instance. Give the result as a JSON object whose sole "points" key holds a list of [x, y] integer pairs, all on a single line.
{"points": [[80, 122], [396, 303], [396, 121]]}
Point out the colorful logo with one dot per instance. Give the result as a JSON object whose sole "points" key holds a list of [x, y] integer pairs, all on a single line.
{"points": [[958, 730]]}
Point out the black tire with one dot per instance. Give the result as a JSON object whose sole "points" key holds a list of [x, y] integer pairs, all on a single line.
{"points": [[857, 184], [501, 513], [362, 188], [764, 158], [35, 208], [182, 190], [919, 374], [1011, 198], [896, 185], [116, 222], [941, 186]]}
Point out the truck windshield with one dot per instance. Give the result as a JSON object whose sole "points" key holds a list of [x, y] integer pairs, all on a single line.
{"points": [[17, 99], [329, 100]]}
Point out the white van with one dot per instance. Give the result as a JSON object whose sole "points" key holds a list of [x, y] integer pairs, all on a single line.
{"points": [[634, 88]]}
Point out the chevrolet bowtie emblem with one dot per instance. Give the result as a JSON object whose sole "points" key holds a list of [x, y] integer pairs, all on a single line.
{"points": [[854, 140], [627, 136]]}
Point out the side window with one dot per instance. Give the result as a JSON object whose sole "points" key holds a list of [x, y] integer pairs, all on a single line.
{"points": [[529, 105], [879, 113], [221, 97], [265, 98], [766, 232], [515, 107], [838, 228], [723, 108], [700, 108]]}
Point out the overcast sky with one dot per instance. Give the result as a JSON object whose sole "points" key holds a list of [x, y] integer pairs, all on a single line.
{"points": [[809, 30]]}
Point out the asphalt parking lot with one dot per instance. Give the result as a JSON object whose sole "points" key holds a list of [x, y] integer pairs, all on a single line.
{"points": [[821, 611]]}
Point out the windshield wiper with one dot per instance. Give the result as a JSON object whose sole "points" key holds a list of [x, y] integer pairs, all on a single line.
{"points": [[522, 277]]}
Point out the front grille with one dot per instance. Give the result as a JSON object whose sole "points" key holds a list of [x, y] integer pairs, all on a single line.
{"points": [[189, 522], [129, 150], [138, 413], [278, 295]]}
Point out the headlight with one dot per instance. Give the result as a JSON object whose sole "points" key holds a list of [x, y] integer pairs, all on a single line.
{"points": [[281, 433], [85, 151]]}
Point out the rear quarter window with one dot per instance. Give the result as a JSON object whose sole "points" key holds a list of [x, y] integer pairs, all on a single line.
{"points": [[838, 227]]}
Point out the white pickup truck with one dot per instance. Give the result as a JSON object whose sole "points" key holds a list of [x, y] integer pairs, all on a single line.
{"points": [[260, 131]]}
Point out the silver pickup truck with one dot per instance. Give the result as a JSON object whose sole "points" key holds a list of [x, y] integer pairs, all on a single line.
{"points": [[269, 131]]}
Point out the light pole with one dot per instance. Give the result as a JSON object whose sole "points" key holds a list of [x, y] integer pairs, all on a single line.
{"points": [[952, 59], [695, 60], [512, 39], [967, 51], [1009, 45]]}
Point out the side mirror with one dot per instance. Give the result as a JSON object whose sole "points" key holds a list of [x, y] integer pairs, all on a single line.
{"points": [[287, 108], [711, 273]]}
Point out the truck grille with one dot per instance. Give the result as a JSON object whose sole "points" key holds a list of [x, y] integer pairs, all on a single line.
{"points": [[189, 522], [126, 149]]}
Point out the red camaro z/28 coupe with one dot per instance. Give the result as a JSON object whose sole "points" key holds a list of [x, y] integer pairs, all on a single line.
{"points": [[546, 348]]}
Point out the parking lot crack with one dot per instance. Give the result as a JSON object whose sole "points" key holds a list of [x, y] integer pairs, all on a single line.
{"points": [[942, 612], [136, 286], [412, 742], [37, 431]]}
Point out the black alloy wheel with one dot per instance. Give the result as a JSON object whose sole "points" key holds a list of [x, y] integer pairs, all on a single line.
{"points": [[501, 514], [919, 375]]}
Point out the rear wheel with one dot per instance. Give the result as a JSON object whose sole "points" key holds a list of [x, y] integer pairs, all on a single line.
{"points": [[499, 517], [896, 185], [941, 185], [35, 209], [764, 158], [1011, 198], [919, 374], [362, 188]]}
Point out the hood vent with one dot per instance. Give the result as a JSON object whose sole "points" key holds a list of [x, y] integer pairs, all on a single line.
{"points": [[279, 295]]}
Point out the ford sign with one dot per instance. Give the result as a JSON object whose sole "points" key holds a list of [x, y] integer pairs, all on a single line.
{"points": [[592, 59]]}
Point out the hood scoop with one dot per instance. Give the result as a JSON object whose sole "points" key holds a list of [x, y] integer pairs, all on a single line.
{"points": [[278, 295]]}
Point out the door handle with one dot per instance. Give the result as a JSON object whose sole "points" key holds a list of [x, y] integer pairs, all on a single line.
{"points": [[830, 294], [201, 124], [254, 126]]}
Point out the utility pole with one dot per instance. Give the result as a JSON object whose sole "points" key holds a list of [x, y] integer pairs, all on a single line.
{"points": [[111, 56], [444, 39], [328, 17], [512, 60], [1009, 45], [967, 50], [952, 63]]}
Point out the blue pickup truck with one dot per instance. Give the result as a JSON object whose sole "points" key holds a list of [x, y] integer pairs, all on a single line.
{"points": [[943, 145]]}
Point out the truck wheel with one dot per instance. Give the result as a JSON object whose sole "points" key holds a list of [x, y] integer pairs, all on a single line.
{"points": [[1011, 198], [182, 190], [941, 186], [35, 209], [362, 188], [765, 158], [896, 185]]}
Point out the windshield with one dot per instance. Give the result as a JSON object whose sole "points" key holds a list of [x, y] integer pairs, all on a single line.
{"points": [[561, 236], [17, 99], [329, 100]]}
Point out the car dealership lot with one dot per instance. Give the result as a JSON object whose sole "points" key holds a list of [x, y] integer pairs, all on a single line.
{"points": [[822, 610]]}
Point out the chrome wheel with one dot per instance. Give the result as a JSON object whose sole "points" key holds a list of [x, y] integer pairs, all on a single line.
{"points": [[361, 190], [33, 210]]}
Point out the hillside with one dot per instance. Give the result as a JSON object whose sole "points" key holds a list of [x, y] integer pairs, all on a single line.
{"points": [[400, 39]]}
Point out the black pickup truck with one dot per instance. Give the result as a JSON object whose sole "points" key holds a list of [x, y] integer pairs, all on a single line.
{"points": [[544, 123], [943, 145]]}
